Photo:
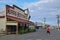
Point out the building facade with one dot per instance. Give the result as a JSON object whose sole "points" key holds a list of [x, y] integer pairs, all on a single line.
{"points": [[15, 19]]}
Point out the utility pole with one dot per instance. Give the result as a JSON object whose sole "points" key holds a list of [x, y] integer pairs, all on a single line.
{"points": [[58, 16], [44, 21]]}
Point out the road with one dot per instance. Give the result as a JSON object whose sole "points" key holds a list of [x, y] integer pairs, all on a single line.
{"points": [[38, 35]]}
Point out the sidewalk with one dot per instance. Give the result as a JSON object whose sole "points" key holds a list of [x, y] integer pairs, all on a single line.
{"points": [[2, 34]]}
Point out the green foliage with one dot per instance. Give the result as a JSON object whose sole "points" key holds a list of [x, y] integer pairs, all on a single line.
{"points": [[21, 31], [32, 30], [26, 31]]}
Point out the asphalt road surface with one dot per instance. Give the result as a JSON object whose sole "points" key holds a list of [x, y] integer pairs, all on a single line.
{"points": [[38, 35]]}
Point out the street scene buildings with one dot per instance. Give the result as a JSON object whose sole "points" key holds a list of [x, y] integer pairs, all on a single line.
{"points": [[29, 20], [15, 19]]}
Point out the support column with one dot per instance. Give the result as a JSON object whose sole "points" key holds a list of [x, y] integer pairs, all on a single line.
{"points": [[17, 28], [6, 30]]}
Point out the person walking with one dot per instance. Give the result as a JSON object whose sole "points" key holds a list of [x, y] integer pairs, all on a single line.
{"points": [[48, 29]]}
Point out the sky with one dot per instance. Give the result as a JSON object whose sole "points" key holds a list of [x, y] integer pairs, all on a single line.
{"points": [[38, 9]]}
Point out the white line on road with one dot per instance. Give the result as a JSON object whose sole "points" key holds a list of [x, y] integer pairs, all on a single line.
{"points": [[32, 39]]}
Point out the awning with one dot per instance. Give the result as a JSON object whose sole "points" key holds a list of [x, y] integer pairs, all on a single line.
{"points": [[2, 16], [19, 20]]}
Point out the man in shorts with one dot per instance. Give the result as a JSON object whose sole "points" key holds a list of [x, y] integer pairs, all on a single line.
{"points": [[48, 29]]}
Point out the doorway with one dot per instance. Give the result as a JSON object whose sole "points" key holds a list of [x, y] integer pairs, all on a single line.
{"points": [[11, 29]]}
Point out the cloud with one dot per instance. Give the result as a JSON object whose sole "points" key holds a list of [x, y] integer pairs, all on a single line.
{"points": [[39, 9], [44, 8]]}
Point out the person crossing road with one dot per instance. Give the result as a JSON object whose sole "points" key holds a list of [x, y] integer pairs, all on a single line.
{"points": [[48, 29]]}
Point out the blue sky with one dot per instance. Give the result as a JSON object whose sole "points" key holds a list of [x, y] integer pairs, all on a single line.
{"points": [[38, 9]]}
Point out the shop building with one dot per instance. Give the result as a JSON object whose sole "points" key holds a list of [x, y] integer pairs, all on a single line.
{"points": [[15, 19]]}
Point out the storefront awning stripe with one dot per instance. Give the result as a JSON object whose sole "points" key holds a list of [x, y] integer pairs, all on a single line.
{"points": [[20, 20]]}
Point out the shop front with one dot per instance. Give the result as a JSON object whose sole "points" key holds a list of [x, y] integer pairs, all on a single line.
{"points": [[17, 19]]}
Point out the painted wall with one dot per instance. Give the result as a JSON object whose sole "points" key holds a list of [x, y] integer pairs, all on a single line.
{"points": [[2, 24], [18, 12], [3, 21], [11, 23]]}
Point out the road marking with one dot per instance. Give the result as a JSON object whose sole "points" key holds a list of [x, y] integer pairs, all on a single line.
{"points": [[38, 39], [32, 39]]}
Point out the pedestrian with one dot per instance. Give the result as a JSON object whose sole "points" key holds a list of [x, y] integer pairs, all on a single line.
{"points": [[48, 29]]}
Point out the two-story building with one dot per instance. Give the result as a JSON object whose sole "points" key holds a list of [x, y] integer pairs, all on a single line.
{"points": [[15, 19]]}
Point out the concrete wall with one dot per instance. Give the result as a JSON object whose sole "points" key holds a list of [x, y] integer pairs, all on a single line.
{"points": [[31, 27], [39, 24], [12, 23], [2, 24], [3, 20], [21, 12], [17, 11]]}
